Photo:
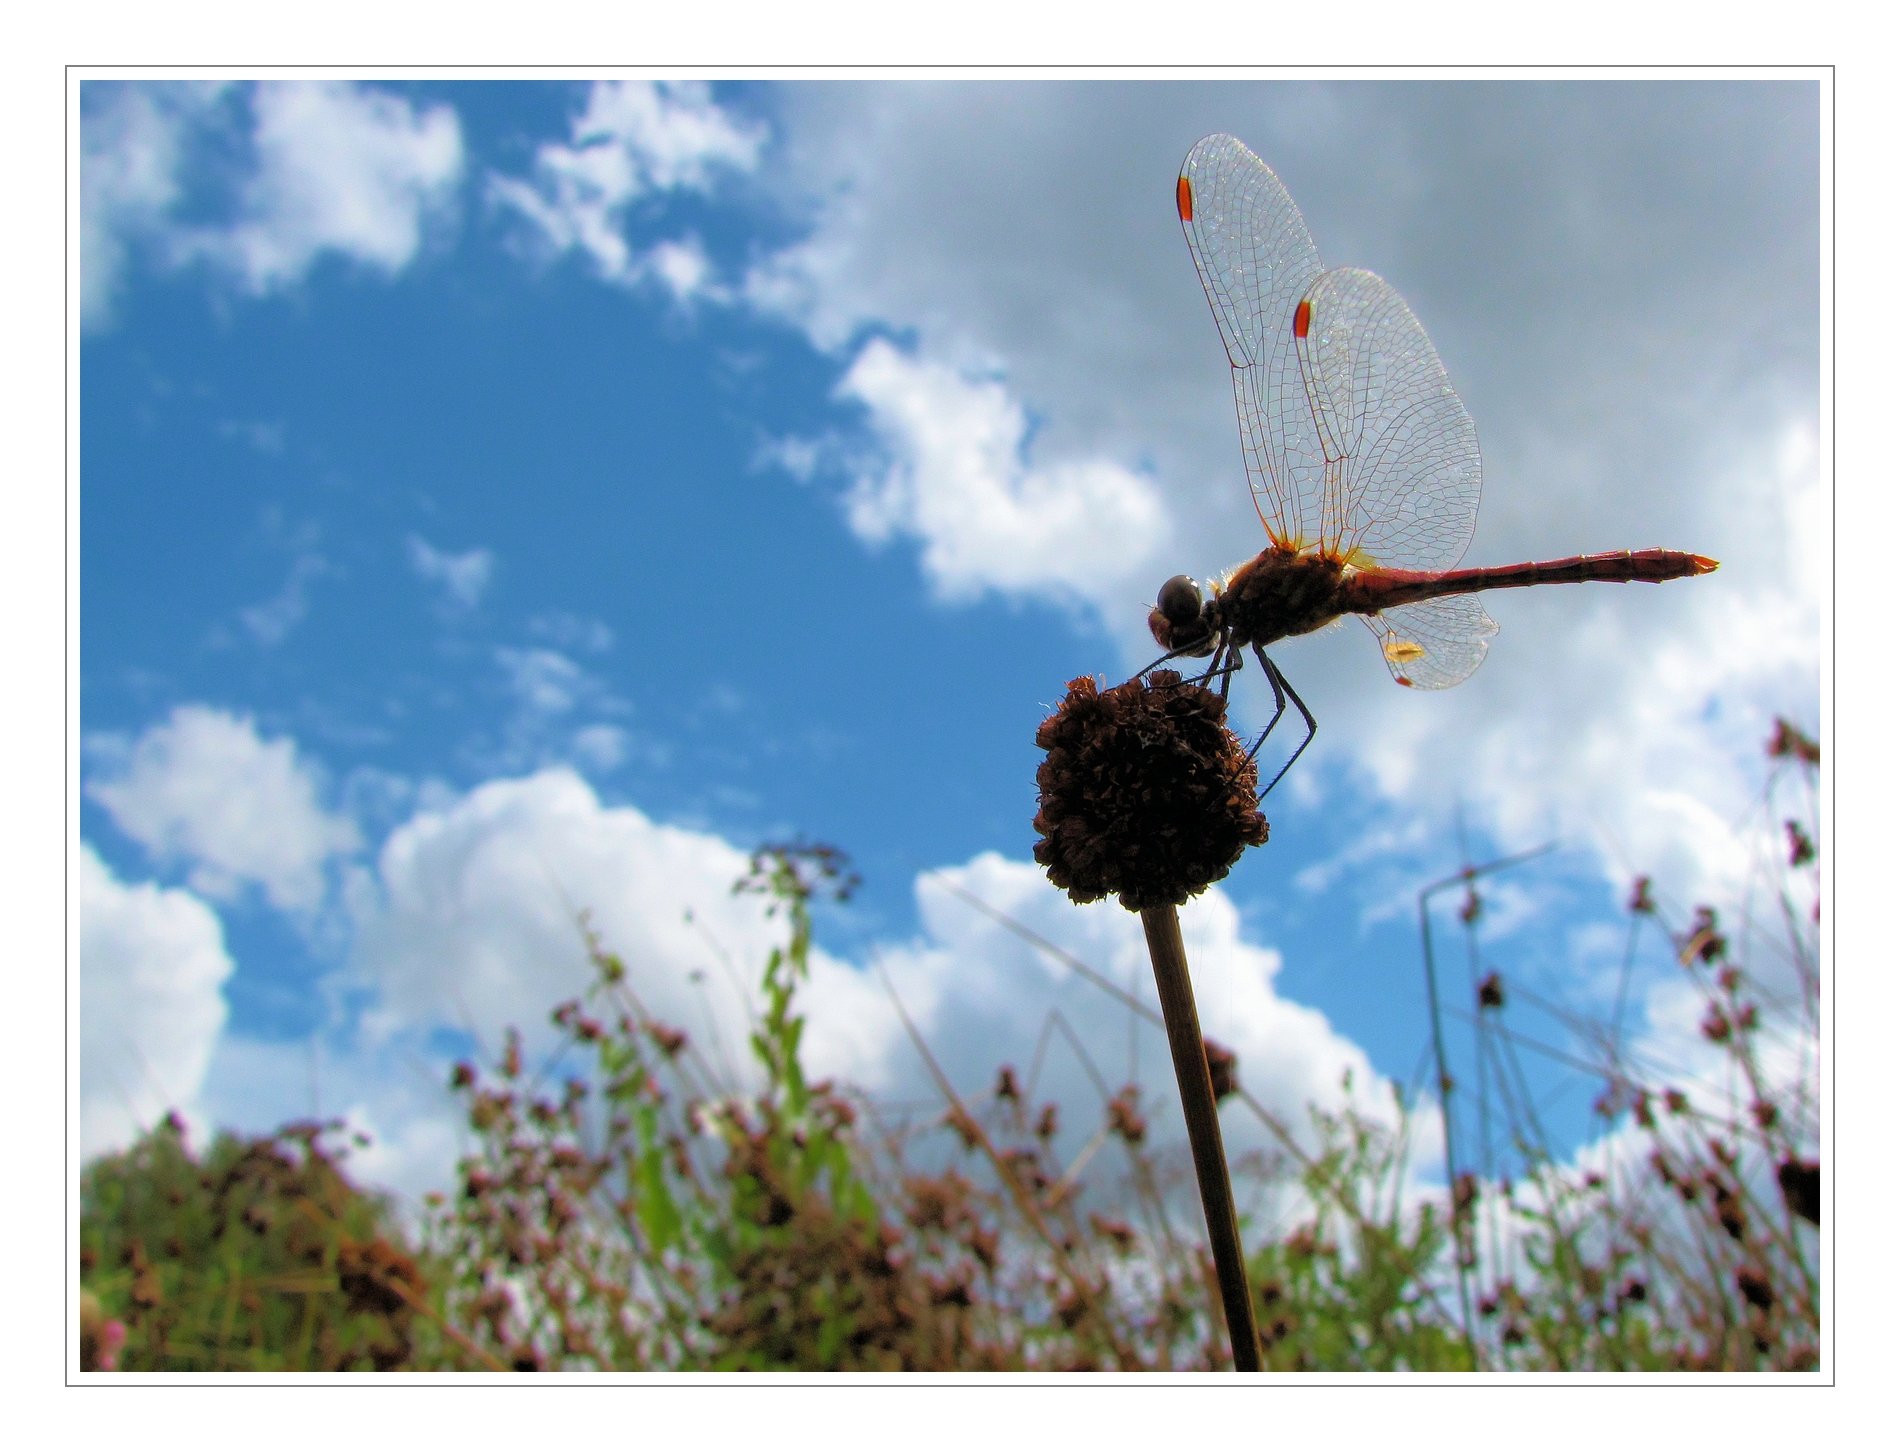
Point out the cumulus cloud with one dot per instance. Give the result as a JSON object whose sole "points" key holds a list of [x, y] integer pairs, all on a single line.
{"points": [[342, 169], [957, 474], [462, 578], [205, 789], [1057, 354], [631, 139], [474, 923], [475, 919], [152, 965], [983, 995], [327, 168], [132, 143]]}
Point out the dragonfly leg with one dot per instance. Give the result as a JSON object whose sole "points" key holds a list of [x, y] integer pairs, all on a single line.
{"points": [[1217, 649], [1226, 660], [1226, 672], [1282, 693], [1279, 710], [1163, 660]]}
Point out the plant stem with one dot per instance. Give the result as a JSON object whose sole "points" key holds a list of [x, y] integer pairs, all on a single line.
{"points": [[1169, 956]]}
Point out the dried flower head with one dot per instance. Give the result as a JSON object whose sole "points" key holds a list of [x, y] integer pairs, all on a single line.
{"points": [[1145, 792], [1801, 1188], [1756, 1287], [1640, 900], [1125, 1117], [1790, 742], [1223, 1069]]}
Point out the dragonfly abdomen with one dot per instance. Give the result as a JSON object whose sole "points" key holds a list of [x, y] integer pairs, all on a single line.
{"points": [[1377, 589]]}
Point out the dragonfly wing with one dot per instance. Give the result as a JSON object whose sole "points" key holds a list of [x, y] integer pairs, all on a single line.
{"points": [[1402, 474], [1257, 260], [1433, 643]]}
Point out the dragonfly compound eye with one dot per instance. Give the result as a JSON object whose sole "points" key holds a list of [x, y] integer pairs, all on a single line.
{"points": [[1180, 600], [1176, 619]]}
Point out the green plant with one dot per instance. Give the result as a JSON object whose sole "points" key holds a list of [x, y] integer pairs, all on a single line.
{"points": [[261, 1256], [684, 1223]]}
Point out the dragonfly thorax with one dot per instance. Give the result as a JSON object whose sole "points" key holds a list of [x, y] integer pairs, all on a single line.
{"points": [[1280, 592]]}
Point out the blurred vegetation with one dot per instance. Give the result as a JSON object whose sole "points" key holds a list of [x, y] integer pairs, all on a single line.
{"points": [[259, 1256], [622, 1208]]}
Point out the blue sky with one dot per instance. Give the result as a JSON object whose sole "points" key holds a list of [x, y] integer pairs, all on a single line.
{"points": [[503, 499]]}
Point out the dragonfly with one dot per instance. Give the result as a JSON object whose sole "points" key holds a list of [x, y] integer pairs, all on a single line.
{"points": [[1362, 460]]}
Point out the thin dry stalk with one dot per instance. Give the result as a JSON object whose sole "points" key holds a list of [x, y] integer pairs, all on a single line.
{"points": [[1169, 956]]}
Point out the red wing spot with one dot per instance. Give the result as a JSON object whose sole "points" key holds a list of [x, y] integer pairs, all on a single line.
{"points": [[1184, 199], [1402, 680], [1302, 317]]}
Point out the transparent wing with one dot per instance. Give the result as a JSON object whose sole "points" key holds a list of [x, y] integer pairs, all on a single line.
{"points": [[1434, 643], [1401, 475], [1256, 261]]}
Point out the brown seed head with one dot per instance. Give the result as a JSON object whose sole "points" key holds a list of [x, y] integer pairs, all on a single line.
{"points": [[1801, 1188], [1119, 1233], [1640, 900], [1145, 793], [1223, 1069], [1800, 846], [1756, 1288], [1790, 742], [1464, 1195], [1125, 1117]]}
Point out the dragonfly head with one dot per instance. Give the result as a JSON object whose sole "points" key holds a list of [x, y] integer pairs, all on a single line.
{"points": [[1179, 620]]}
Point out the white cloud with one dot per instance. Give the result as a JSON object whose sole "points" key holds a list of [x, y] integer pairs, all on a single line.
{"points": [[573, 632], [475, 921], [342, 169], [269, 622], [633, 138], [799, 457], [1630, 716], [328, 168], [132, 144], [544, 682], [958, 474], [471, 920], [1058, 355], [204, 788], [682, 266], [152, 964], [463, 578], [474, 924], [602, 747], [559, 711]]}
